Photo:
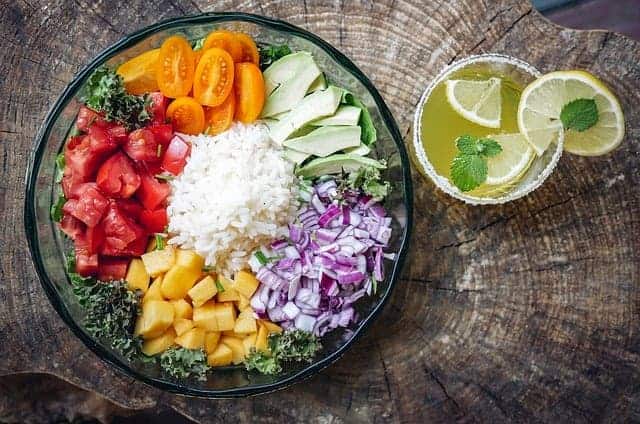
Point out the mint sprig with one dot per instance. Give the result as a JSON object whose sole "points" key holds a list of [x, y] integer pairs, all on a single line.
{"points": [[579, 114], [469, 166]]}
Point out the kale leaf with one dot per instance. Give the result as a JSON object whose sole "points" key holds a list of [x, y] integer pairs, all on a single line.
{"points": [[183, 363], [269, 53], [291, 346], [368, 179]]}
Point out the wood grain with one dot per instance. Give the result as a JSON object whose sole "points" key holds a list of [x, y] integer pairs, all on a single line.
{"points": [[524, 312]]}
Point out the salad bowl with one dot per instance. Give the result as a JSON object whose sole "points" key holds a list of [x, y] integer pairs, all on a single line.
{"points": [[48, 246]]}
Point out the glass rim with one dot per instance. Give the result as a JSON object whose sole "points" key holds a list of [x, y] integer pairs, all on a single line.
{"points": [[30, 216], [442, 182]]}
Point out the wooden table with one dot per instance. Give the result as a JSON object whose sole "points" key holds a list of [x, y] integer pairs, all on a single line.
{"points": [[526, 312]]}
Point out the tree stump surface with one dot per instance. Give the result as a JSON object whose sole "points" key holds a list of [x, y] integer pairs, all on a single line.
{"points": [[524, 312]]}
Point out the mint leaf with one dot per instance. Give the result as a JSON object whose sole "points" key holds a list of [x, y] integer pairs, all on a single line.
{"points": [[468, 171], [488, 147], [579, 114], [467, 144]]}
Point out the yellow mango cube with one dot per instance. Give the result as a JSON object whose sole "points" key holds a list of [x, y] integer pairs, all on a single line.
{"points": [[204, 290], [182, 308], [189, 259], [182, 325], [262, 338], [271, 327], [229, 294], [159, 261], [236, 346], [137, 276], [178, 281], [246, 283], [249, 343], [243, 303], [192, 339], [221, 356], [153, 292], [225, 316], [245, 323], [211, 340], [156, 317], [205, 316], [159, 344]]}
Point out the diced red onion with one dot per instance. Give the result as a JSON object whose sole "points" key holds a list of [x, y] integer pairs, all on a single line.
{"points": [[305, 322], [291, 310]]}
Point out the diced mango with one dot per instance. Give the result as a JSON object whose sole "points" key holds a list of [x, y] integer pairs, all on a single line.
{"points": [[192, 339], [223, 355], [261, 338], [229, 294], [236, 346], [137, 276], [189, 259], [159, 344], [246, 284], [232, 333], [156, 317], [182, 325], [225, 316], [211, 340], [245, 323], [249, 343], [182, 309], [159, 261], [178, 281], [205, 316], [271, 327], [153, 292], [204, 290], [243, 303]]}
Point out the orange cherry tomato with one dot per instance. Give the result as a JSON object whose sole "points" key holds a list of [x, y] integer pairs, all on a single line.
{"points": [[249, 48], [197, 55], [249, 88], [176, 66], [214, 77], [186, 115], [225, 40], [219, 118], [139, 73]]}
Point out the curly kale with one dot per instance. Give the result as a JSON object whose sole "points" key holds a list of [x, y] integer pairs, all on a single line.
{"points": [[291, 346], [183, 363], [104, 92], [367, 179], [269, 53]]}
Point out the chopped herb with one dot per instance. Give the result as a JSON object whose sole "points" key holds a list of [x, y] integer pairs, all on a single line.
{"points": [[261, 258], [208, 269], [165, 177], [56, 208], [219, 286], [269, 53], [59, 167], [159, 242], [291, 346], [579, 114], [182, 363], [206, 130], [104, 92], [374, 285], [469, 166]]}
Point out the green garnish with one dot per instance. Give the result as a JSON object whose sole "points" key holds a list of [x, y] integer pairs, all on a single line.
{"points": [[579, 114], [198, 44], [374, 285], [367, 179], [56, 208], [207, 269], [59, 167], [261, 257], [469, 166], [291, 346], [104, 92], [368, 134], [165, 177], [159, 242], [219, 286], [272, 52], [182, 363]]}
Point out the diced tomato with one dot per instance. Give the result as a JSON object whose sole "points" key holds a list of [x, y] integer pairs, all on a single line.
{"points": [[95, 238], [118, 133], [69, 206], [130, 207], [163, 133], [142, 145], [120, 231], [86, 263], [154, 221], [71, 226], [80, 159], [175, 158], [136, 247], [151, 168], [110, 268], [87, 117], [118, 177], [100, 142], [158, 107], [152, 192], [90, 206]]}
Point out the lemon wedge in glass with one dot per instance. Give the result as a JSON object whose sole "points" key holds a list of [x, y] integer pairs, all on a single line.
{"points": [[477, 101], [511, 162], [541, 105]]}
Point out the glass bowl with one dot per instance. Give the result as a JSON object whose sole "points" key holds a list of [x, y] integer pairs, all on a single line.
{"points": [[47, 244], [502, 66]]}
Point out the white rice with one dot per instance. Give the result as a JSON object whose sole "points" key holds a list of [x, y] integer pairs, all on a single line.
{"points": [[236, 193]]}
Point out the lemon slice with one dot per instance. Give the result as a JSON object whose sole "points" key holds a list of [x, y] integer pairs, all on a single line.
{"points": [[476, 101], [541, 104], [509, 164]]}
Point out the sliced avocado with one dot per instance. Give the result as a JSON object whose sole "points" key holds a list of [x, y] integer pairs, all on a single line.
{"points": [[290, 92], [345, 115], [295, 156], [284, 69], [361, 150], [336, 164], [326, 140], [319, 84], [314, 106]]}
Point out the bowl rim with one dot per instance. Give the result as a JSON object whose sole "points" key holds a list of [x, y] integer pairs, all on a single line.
{"points": [[30, 220]]}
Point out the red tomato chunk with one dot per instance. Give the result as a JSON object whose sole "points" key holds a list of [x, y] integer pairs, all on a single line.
{"points": [[176, 156], [152, 192], [154, 221], [142, 145], [110, 268], [118, 177]]}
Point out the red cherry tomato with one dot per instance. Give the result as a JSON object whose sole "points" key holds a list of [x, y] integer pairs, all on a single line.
{"points": [[175, 158], [152, 192], [118, 177], [154, 221], [142, 145]]}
